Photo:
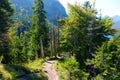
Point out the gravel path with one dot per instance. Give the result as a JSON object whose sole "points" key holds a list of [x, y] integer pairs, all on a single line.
{"points": [[50, 71]]}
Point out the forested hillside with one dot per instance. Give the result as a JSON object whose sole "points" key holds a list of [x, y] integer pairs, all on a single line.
{"points": [[75, 47]]}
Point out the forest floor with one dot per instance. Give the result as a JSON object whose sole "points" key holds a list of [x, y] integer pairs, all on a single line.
{"points": [[50, 71]]}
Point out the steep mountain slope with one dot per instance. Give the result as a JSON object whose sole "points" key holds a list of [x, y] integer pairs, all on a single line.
{"points": [[53, 8], [116, 18], [116, 25]]}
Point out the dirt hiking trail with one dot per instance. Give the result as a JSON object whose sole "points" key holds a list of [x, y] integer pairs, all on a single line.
{"points": [[50, 71]]}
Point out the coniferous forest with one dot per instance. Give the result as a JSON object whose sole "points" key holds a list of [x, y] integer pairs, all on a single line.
{"points": [[76, 47]]}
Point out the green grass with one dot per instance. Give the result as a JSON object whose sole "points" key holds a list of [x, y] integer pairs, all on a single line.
{"points": [[34, 66], [31, 70]]}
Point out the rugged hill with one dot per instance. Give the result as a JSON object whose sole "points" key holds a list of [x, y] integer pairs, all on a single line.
{"points": [[53, 8]]}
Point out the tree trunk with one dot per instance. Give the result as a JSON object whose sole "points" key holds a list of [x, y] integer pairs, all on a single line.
{"points": [[54, 42], [42, 48], [58, 40], [50, 37], [51, 46]]}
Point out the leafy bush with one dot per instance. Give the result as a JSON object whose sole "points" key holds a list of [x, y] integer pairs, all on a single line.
{"points": [[69, 70]]}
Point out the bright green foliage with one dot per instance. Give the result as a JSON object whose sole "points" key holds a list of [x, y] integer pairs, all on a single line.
{"points": [[98, 77], [107, 60], [69, 70], [82, 31], [35, 65], [17, 47]]}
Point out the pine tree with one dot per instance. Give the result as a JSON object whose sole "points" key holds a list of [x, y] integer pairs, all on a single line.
{"points": [[82, 31], [6, 11], [107, 60], [18, 45], [39, 28]]}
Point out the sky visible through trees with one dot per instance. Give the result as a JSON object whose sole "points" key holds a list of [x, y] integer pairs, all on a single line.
{"points": [[108, 7]]}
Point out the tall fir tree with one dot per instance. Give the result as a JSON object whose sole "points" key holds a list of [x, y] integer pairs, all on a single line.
{"points": [[39, 28], [6, 11]]}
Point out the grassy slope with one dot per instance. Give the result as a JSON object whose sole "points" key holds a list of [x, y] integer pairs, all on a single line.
{"points": [[32, 70]]}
